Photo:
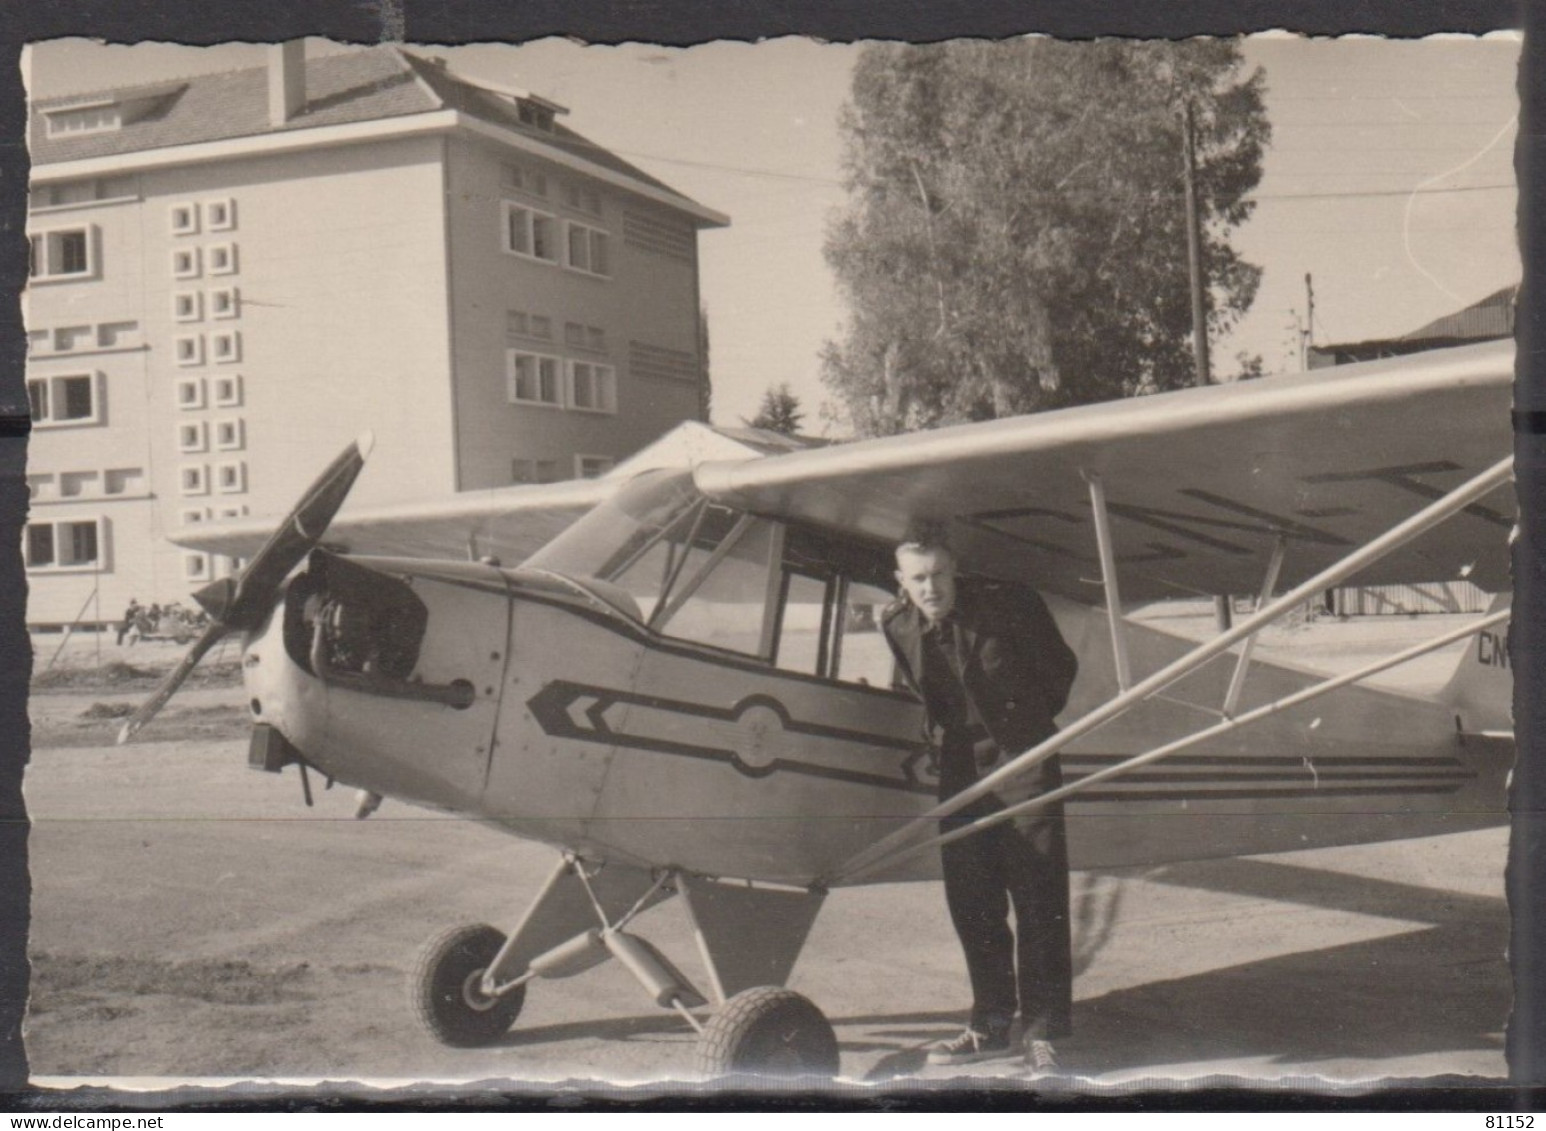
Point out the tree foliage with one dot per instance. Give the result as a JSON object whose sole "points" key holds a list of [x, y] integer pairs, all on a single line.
{"points": [[1015, 234], [780, 411]]}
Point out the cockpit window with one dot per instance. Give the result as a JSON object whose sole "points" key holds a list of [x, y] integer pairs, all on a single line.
{"points": [[607, 539], [722, 595], [829, 615]]}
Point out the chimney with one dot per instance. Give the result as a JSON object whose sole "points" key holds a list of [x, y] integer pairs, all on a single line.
{"points": [[286, 81]]}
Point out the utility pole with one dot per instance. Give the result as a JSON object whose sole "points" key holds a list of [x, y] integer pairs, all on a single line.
{"points": [[1309, 300], [1194, 250], [1222, 608]]}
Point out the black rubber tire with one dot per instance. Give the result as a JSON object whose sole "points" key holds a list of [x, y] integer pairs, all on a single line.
{"points": [[445, 991], [768, 1032]]}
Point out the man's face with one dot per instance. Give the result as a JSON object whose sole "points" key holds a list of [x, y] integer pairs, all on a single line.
{"points": [[928, 577]]}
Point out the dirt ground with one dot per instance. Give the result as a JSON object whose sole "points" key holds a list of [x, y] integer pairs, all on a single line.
{"points": [[192, 919]]}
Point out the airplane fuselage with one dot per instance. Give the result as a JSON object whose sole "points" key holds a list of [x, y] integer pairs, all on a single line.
{"points": [[571, 722]]}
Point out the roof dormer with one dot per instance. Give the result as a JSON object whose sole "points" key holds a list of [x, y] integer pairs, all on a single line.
{"points": [[102, 113]]}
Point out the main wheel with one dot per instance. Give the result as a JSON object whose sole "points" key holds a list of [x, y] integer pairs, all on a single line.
{"points": [[447, 994], [768, 1031]]}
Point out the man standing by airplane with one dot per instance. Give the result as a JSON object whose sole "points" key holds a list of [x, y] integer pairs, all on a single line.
{"points": [[992, 670]]}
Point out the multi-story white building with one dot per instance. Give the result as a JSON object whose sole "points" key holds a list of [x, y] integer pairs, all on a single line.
{"points": [[234, 274]]}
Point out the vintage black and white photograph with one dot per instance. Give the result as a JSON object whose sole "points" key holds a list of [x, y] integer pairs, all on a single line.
{"points": [[981, 563]]}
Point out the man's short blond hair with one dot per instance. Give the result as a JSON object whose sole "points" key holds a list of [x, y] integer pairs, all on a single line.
{"points": [[924, 536]]}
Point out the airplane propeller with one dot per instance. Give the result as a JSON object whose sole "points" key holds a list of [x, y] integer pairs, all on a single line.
{"points": [[241, 603]]}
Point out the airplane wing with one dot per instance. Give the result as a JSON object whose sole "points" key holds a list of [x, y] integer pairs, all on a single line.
{"points": [[508, 523], [1199, 483]]}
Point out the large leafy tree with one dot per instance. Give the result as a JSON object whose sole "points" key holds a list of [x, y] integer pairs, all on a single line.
{"points": [[1015, 235]]}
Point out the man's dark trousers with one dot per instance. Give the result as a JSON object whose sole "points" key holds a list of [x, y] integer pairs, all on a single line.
{"points": [[1023, 863]]}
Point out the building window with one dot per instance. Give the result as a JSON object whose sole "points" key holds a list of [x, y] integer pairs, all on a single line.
{"points": [[185, 219], [190, 392], [533, 470], [222, 258], [586, 249], [592, 387], [520, 324], [534, 378], [228, 435], [63, 544], [220, 215], [530, 233], [74, 194], [231, 478], [195, 567], [117, 335], [74, 120], [68, 399], [225, 347], [40, 486], [579, 337], [226, 514], [192, 436], [582, 198], [533, 114], [187, 306], [193, 515], [67, 339], [61, 254], [228, 390], [186, 263], [123, 481], [224, 302], [189, 349], [75, 484], [527, 180], [592, 467], [192, 479]]}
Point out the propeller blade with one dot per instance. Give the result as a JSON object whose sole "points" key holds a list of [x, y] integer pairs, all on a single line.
{"points": [[152, 706], [295, 537], [244, 602]]}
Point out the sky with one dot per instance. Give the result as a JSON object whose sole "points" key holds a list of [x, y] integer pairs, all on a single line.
{"points": [[1389, 179]]}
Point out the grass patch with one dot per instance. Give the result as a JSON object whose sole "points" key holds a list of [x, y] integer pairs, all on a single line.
{"points": [[117, 675], [108, 711], [59, 980]]}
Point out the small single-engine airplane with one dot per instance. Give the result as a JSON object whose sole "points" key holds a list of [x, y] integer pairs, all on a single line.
{"points": [[686, 692]]}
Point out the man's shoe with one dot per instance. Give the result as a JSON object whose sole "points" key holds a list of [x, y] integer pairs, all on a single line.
{"points": [[969, 1047], [1040, 1060]]}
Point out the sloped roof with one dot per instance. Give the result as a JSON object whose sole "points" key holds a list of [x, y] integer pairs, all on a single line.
{"points": [[483, 104], [357, 86], [692, 442], [1492, 317], [371, 84], [1489, 319]]}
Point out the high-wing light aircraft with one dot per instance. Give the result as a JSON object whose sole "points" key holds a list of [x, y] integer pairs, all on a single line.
{"points": [[685, 692]]}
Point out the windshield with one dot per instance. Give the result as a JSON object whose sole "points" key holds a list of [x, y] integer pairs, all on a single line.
{"points": [[640, 539]]}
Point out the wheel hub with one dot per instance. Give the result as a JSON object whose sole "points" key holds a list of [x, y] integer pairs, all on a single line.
{"points": [[473, 995]]}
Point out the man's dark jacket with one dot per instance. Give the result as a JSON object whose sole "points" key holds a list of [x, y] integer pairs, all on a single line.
{"points": [[1016, 670]]}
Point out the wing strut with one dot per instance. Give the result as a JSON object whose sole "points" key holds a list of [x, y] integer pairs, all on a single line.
{"points": [[1269, 583], [1108, 574], [1398, 535], [1304, 695]]}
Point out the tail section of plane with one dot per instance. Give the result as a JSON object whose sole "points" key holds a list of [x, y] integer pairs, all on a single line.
{"points": [[1481, 691]]}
